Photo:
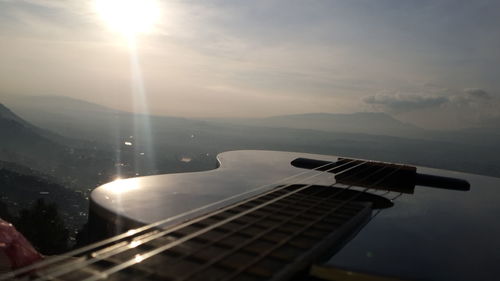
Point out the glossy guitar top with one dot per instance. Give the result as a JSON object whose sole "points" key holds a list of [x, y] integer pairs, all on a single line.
{"points": [[152, 198], [432, 234]]}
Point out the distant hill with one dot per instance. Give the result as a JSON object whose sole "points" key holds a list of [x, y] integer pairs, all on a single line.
{"points": [[55, 103], [374, 123], [46, 152], [23, 140], [80, 119], [110, 130], [7, 115], [62, 115], [38, 164]]}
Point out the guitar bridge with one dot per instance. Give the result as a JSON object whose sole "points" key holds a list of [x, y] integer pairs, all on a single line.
{"points": [[361, 173], [380, 175]]}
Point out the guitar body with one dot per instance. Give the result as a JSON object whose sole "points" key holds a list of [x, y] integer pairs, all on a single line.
{"points": [[430, 234]]}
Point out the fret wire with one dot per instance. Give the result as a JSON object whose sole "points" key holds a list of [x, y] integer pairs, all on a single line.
{"points": [[133, 232], [160, 234], [186, 238], [330, 197], [276, 246]]}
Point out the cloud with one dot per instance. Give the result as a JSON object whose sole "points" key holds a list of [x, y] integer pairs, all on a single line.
{"points": [[475, 93], [471, 97], [404, 102]]}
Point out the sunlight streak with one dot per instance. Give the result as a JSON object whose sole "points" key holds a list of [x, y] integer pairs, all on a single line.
{"points": [[142, 122], [129, 18]]}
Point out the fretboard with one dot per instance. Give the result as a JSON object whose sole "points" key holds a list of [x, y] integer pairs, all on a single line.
{"points": [[268, 237]]}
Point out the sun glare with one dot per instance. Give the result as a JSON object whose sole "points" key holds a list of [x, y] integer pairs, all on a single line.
{"points": [[129, 17]]}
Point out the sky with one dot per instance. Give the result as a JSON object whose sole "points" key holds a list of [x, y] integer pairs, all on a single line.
{"points": [[433, 63]]}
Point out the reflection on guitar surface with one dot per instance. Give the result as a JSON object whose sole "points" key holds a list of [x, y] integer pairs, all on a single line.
{"points": [[261, 215]]}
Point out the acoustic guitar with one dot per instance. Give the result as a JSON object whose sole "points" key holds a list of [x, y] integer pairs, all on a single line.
{"points": [[267, 215]]}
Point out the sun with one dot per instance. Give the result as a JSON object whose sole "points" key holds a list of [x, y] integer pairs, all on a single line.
{"points": [[129, 17]]}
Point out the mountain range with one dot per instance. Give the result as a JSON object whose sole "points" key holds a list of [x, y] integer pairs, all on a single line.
{"points": [[79, 119], [70, 116], [163, 144], [374, 123]]}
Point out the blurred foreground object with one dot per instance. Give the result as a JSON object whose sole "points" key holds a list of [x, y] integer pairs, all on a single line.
{"points": [[15, 250]]}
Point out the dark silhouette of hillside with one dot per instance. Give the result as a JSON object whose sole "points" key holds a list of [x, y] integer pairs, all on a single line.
{"points": [[18, 190], [42, 224], [45, 179], [81, 166]]}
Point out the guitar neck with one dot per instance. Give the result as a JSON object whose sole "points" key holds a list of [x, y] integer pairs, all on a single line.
{"points": [[269, 237]]}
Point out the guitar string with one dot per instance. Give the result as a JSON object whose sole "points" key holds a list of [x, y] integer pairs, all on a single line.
{"points": [[159, 223], [158, 250], [132, 232]]}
